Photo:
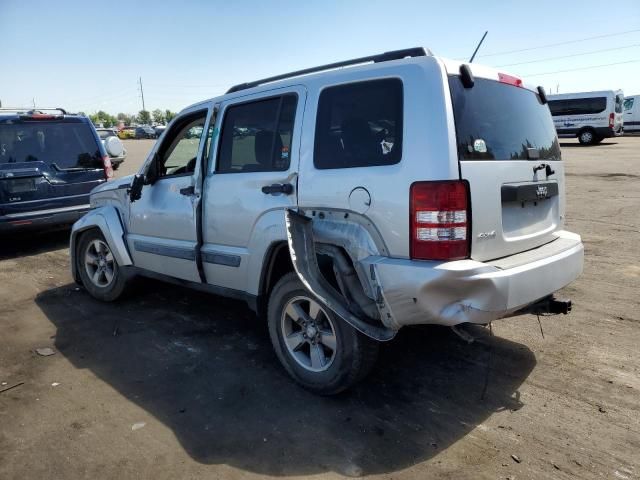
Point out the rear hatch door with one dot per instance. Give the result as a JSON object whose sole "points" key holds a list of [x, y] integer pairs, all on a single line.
{"points": [[47, 164], [508, 151]]}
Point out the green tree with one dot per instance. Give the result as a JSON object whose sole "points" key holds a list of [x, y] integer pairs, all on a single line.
{"points": [[106, 119], [158, 115], [124, 118], [144, 117], [169, 115]]}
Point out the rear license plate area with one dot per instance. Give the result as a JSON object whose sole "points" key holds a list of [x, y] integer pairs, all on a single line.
{"points": [[20, 185]]}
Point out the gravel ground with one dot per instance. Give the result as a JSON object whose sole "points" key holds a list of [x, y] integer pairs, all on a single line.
{"points": [[172, 383]]}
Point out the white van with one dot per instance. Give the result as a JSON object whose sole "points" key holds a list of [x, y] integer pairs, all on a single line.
{"points": [[590, 116], [632, 114]]}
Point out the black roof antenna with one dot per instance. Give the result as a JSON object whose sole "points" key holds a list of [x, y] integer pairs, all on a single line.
{"points": [[478, 47]]}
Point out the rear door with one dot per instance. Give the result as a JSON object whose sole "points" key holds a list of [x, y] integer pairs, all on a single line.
{"points": [[505, 141], [252, 179], [618, 115], [631, 114], [48, 164]]}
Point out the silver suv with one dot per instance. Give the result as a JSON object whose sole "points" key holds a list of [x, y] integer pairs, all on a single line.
{"points": [[345, 203]]}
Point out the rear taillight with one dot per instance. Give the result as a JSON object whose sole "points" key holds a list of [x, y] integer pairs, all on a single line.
{"points": [[611, 120], [108, 169], [440, 220]]}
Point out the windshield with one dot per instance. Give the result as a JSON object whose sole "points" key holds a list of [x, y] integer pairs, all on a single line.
{"points": [[497, 121], [62, 144]]}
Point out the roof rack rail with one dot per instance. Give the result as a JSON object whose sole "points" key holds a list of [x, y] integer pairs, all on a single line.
{"points": [[31, 110], [382, 57]]}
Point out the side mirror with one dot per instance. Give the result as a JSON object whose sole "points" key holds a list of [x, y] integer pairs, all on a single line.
{"points": [[135, 190]]}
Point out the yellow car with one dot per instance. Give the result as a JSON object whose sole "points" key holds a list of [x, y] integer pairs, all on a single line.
{"points": [[127, 132]]}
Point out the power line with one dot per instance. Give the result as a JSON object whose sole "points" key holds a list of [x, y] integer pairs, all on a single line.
{"points": [[559, 43], [582, 68], [569, 56]]}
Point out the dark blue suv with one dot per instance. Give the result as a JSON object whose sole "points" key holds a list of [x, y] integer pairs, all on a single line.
{"points": [[49, 162]]}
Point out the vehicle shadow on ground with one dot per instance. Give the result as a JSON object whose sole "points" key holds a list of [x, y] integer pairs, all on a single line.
{"points": [[203, 366], [33, 242]]}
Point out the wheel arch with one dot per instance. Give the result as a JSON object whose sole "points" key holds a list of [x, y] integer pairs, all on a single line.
{"points": [[276, 263], [107, 219]]}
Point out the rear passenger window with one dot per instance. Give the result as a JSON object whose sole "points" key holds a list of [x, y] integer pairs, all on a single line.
{"points": [[256, 136], [359, 125]]}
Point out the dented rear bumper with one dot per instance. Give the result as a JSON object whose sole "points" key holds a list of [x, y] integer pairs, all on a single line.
{"points": [[449, 293]]}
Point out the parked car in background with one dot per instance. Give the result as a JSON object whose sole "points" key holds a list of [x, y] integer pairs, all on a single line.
{"points": [[632, 114], [49, 162], [341, 209], [126, 133], [590, 116], [159, 129], [113, 146], [145, 131]]}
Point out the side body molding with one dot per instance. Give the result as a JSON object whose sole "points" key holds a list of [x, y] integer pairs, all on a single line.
{"points": [[305, 263], [107, 219]]}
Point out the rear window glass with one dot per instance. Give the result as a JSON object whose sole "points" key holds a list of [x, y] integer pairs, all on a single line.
{"points": [[577, 106], [256, 136], [104, 134], [497, 121], [63, 145], [628, 103], [359, 125], [619, 100]]}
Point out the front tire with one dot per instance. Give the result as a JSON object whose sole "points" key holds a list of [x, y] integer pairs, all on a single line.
{"points": [[318, 349], [99, 271]]}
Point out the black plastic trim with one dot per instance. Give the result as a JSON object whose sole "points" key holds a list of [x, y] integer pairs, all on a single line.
{"points": [[382, 57], [218, 258], [528, 192], [164, 250]]}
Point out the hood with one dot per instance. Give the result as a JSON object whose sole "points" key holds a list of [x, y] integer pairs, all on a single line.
{"points": [[113, 184]]}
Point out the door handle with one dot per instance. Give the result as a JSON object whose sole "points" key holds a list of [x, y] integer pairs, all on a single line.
{"points": [[187, 190], [285, 188]]}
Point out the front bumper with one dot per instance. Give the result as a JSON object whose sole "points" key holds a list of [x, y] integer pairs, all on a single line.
{"points": [[450, 293]]}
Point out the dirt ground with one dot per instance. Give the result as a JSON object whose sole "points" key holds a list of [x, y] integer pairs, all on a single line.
{"points": [[177, 384]]}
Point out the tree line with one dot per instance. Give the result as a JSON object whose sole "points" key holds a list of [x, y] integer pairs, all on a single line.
{"points": [[143, 117]]}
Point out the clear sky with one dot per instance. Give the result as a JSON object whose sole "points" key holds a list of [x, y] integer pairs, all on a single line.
{"points": [[88, 55]]}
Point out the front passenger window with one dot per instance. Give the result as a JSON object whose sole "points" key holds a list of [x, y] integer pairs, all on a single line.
{"points": [[182, 143]]}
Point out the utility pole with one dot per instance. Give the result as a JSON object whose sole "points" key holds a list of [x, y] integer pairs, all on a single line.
{"points": [[33, 99], [142, 94]]}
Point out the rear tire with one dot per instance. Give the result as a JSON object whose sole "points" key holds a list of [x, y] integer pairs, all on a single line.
{"points": [[587, 137], [318, 349], [99, 271]]}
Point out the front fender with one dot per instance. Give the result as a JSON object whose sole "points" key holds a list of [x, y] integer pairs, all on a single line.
{"points": [[107, 219]]}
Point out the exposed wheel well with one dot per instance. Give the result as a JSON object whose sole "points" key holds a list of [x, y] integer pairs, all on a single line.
{"points": [[277, 263], [76, 246]]}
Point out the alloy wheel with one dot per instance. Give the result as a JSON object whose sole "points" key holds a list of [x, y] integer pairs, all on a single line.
{"points": [[99, 264], [309, 334]]}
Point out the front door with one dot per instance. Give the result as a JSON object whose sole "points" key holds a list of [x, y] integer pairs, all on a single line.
{"points": [[162, 234], [250, 183]]}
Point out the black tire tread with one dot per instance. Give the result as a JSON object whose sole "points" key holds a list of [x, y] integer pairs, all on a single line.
{"points": [[118, 290], [363, 352]]}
